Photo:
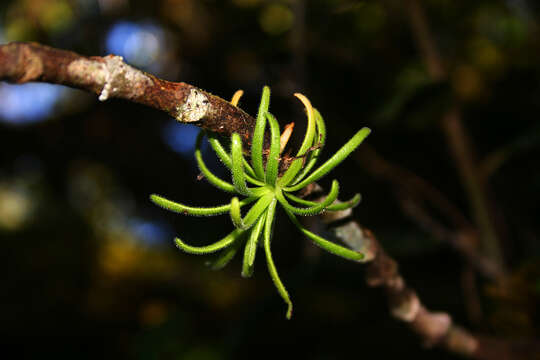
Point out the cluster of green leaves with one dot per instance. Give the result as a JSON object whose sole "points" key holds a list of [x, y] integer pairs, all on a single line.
{"points": [[268, 189]]}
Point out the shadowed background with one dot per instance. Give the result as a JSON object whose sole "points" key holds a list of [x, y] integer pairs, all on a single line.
{"points": [[89, 266]]}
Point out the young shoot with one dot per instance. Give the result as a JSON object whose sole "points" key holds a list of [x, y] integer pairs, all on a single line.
{"points": [[262, 187]]}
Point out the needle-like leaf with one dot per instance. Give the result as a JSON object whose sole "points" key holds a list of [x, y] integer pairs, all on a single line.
{"points": [[195, 211], [257, 141], [334, 207], [227, 254], [296, 165], [238, 175], [315, 209], [325, 244], [334, 161], [200, 250], [256, 210], [226, 159], [273, 157], [251, 246], [319, 141], [212, 179], [270, 262]]}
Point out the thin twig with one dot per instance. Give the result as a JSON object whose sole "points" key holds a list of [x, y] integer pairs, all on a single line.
{"points": [[400, 177], [462, 240], [414, 190], [458, 139], [433, 328]]}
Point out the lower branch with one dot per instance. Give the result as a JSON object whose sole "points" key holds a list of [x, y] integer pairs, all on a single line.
{"points": [[433, 328], [417, 190], [459, 142]]}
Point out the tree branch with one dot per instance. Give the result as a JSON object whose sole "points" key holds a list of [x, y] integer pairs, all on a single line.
{"points": [[433, 328], [110, 77], [415, 190], [459, 142]]}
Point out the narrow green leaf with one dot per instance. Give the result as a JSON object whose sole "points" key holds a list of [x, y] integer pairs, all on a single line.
{"points": [[200, 250], [237, 169], [315, 209], [335, 207], [251, 246], [296, 165], [319, 141], [219, 150], [226, 159], [236, 215], [258, 134], [325, 244], [334, 161], [212, 179], [195, 211], [254, 181], [227, 254], [270, 262], [253, 214], [272, 162]]}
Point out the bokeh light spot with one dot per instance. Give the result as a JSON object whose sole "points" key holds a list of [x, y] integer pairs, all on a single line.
{"points": [[150, 233], [28, 103], [57, 16], [140, 44], [15, 207], [275, 19], [181, 138]]}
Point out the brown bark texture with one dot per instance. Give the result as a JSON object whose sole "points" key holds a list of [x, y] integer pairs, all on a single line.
{"points": [[110, 77]]}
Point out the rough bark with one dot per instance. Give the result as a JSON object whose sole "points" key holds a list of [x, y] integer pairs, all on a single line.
{"points": [[110, 77]]}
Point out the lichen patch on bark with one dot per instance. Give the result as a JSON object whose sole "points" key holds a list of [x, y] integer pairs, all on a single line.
{"points": [[86, 71], [194, 108], [120, 75]]}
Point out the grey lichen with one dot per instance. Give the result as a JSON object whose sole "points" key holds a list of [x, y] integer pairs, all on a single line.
{"points": [[86, 71], [194, 108], [119, 74], [113, 75]]}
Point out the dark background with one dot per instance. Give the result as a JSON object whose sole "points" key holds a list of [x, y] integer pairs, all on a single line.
{"points": [[89, 269]]}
